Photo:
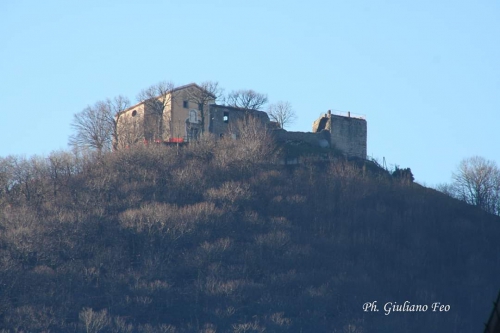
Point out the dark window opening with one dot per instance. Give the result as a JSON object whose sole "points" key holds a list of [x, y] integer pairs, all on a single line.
{"points": [[185, 104], [200, 106], [221, 135], [134, 113], [226, 117]]}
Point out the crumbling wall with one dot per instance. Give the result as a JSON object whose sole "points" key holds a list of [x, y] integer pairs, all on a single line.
{"points": [[349, 135], [320, 139], [322, 123], [223, 118]]}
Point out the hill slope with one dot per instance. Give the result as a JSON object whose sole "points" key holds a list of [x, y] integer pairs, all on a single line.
{"points": [[212, 238]]}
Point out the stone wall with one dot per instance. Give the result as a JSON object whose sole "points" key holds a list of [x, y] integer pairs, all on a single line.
{"points": [[349, 135], [345, 133], [320, 139], [222, 118]]}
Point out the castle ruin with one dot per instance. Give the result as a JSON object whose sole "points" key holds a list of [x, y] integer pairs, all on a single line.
{"points": [[346, 133], [181, 115]]}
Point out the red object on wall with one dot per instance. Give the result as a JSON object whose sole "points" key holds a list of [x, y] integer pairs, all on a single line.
{"points": [[177, 140]]}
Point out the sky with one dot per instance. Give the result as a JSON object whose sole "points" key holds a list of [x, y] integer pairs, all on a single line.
{"points": [[425, 74]]}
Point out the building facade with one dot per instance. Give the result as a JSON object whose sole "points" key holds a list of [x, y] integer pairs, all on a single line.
{"points": [[181, 115], [176, 116]]}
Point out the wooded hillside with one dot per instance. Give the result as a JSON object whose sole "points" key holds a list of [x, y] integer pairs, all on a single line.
{"points": [[214, 237]]}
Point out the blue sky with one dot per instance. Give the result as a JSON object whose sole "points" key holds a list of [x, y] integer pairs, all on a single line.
{"points": [[426, 74]]}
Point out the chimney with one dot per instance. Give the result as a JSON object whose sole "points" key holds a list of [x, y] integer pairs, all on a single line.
{"points": [[349, 114], [329, 113]]}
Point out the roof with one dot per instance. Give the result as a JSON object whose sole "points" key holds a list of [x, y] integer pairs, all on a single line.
{"points": [[173, 90], [191, 85]]}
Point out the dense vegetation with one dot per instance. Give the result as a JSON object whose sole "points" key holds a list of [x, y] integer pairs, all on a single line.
{"points": [[219, 238]]}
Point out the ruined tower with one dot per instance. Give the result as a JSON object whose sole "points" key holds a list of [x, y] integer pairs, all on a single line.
{"points": [[347, 133]]}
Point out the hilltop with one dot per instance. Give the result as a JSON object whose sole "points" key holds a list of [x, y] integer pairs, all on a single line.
{"points": [[216, 237]]}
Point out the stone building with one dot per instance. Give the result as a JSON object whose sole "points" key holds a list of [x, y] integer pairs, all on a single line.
{"points": [[173, 116], [185, 112], [181, 115], [347, 133], [222, 119]]}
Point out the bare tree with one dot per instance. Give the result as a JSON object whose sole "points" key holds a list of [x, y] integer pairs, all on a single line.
{"points": [[94, 321], [246, 99], [29, 176], [93, 127], [157, 98], [62, 166], [130, 131], [116, 107], [97, 126], [249, 143], [477, 182], [6, 175], [210, 91], [282, 113]]}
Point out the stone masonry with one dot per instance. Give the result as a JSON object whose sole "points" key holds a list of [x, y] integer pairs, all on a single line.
{"points": [[348, 134], [223, 118], [181, 120]]}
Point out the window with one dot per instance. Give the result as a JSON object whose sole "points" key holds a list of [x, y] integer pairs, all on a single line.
{"points": [[226, 117], [193, 116], [134, 113], [200, 106], [185, 104]]}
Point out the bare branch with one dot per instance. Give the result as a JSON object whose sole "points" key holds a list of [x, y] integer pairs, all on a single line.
{"points": [[282, 113], [116, 106], [157, 96], [477, 182], [93, 128], [246, 99], [156, 99], [209, 93], [247, 144], [130, 132]]}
